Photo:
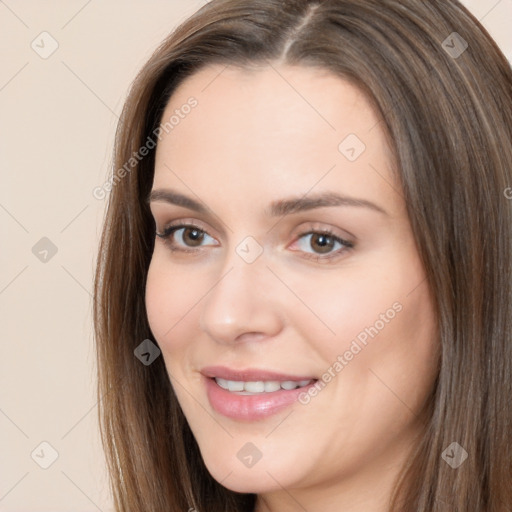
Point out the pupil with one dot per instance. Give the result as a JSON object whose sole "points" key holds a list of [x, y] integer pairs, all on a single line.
{"points": [[195, 235], [323, 243]]}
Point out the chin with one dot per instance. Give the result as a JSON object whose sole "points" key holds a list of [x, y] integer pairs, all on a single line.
{"points": [[257, 479]]}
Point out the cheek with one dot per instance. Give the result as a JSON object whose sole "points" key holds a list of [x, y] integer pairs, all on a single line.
{"points": [[389, 357], [170, 297], [353, 304], [376, 319]]}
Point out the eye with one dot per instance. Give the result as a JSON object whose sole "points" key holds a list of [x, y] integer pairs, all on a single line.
{"points": [[323, 244], [184, 237]]}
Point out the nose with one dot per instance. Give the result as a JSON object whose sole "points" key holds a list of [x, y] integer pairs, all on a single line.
{"points": [[243, 304]]}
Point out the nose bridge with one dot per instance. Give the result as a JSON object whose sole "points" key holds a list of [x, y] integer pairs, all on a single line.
{"points": [[238, 302]]}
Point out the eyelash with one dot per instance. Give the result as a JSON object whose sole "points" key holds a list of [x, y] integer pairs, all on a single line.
{"points": [[170, 230]]}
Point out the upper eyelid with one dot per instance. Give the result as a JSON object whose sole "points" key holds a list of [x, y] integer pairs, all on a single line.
{"points": [[221, 229], [184, 224], [182, 220]]}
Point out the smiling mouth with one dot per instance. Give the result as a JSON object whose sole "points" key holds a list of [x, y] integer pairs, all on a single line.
{"points": [[260, 387], [252, 395]]}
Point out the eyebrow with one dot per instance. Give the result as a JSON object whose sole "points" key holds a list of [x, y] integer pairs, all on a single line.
{"points": [[278, 208]]}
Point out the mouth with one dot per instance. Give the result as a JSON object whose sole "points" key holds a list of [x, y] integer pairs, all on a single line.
{"points": [[260, 386], [251, 395]]}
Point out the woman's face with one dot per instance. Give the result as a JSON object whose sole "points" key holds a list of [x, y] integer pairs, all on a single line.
{"points": [[300, 266]]}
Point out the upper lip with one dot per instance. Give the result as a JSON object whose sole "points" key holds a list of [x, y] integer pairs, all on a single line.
{"points": [[250, 374]]}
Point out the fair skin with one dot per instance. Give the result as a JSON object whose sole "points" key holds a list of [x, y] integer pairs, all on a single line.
{"points": [[257, 137]]}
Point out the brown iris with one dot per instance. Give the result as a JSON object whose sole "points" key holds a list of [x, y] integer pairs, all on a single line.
{"points": [[324, 242], [196, 236]]}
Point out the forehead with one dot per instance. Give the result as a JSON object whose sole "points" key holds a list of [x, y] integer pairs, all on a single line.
{"points": [[282, 126], [274, 96]]}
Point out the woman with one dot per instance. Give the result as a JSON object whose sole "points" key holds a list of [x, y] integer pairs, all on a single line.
{"points": [[303, 291]]}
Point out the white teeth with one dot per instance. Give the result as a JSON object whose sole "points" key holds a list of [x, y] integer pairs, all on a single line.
{"points": [[272, 385], [222, 383], [234, 385], [255, 387]]}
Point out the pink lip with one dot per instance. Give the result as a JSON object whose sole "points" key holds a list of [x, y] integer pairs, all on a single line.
{"points": [[250, 374], [250, 407]]}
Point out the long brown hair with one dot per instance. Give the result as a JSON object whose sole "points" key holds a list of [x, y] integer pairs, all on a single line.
{"points": [[443, 90]]}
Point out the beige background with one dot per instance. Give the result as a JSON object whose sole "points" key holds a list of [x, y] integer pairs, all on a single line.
{"points": [[58, 117]]}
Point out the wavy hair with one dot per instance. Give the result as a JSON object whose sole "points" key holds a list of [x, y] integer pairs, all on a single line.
{"points": [[447, 112]]}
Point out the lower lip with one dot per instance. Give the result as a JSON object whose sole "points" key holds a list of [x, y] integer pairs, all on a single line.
{"points": [[250, 407]]}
